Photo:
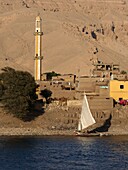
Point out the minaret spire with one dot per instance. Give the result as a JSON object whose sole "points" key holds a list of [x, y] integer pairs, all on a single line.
{"points": [[38, 48]]}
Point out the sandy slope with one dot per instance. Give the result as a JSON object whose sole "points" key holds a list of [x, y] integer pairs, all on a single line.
{"points": [[65, 47]]}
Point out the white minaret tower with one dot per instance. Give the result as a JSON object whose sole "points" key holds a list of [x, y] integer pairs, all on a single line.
{"points": [[38, 48]]}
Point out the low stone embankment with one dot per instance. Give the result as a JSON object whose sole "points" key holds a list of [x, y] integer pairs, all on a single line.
{"points": [[46, 132], [32, 132]]}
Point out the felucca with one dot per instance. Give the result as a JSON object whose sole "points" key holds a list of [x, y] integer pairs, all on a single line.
{"points": [[86, 118]]}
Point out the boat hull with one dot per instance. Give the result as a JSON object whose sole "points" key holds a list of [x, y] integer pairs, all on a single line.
{"points": [[87, 134]]}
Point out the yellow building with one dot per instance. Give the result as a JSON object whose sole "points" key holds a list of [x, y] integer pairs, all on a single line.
{"points": [[118, 89], [38, 49]]}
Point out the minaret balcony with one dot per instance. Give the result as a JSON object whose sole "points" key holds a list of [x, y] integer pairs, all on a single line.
{"points": [[38, 58], [38, 33]]}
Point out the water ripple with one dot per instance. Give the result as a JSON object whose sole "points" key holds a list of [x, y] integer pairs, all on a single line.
{"points": [[64, 153]]}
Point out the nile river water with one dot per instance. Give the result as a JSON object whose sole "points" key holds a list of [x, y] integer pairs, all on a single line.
{"points": [[64, 153]]}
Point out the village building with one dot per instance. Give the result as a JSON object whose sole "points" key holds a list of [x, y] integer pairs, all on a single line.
{"points": [[105, 70], [119, 90], [67, 81]]}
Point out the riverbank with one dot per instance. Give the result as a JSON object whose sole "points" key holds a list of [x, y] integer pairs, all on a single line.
{"points": [[52, 122], [46, 132], [33, 132], [62, 121]]}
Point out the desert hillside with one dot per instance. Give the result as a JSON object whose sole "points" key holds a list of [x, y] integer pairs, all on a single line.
{"points": [[75, 31]]}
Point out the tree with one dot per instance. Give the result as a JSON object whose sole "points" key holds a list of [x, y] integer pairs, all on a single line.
{"points": [[123, 72], [46, 94], [18, 92], [51, 74], [1, 90]]}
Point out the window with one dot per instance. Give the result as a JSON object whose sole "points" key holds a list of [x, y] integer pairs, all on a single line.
{"points": [[120, 99], [121, 86]]}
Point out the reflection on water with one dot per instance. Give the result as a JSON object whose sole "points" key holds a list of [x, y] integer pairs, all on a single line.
{"points": [[64, 153]]}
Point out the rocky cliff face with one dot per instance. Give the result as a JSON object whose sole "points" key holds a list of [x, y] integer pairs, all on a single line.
{"points": [[75, 32]]}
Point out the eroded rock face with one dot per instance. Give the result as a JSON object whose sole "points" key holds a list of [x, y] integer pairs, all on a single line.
{"points": [[68, 42]]}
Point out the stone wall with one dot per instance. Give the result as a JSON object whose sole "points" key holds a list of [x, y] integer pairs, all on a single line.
{"points": [[95, 103], [73, 103], [98, 103]]}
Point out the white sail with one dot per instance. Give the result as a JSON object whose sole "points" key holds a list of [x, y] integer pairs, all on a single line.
{"points": [[86, 118]]}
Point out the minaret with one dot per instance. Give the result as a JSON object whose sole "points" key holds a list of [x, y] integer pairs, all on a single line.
{"points": [[38, 48]]}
